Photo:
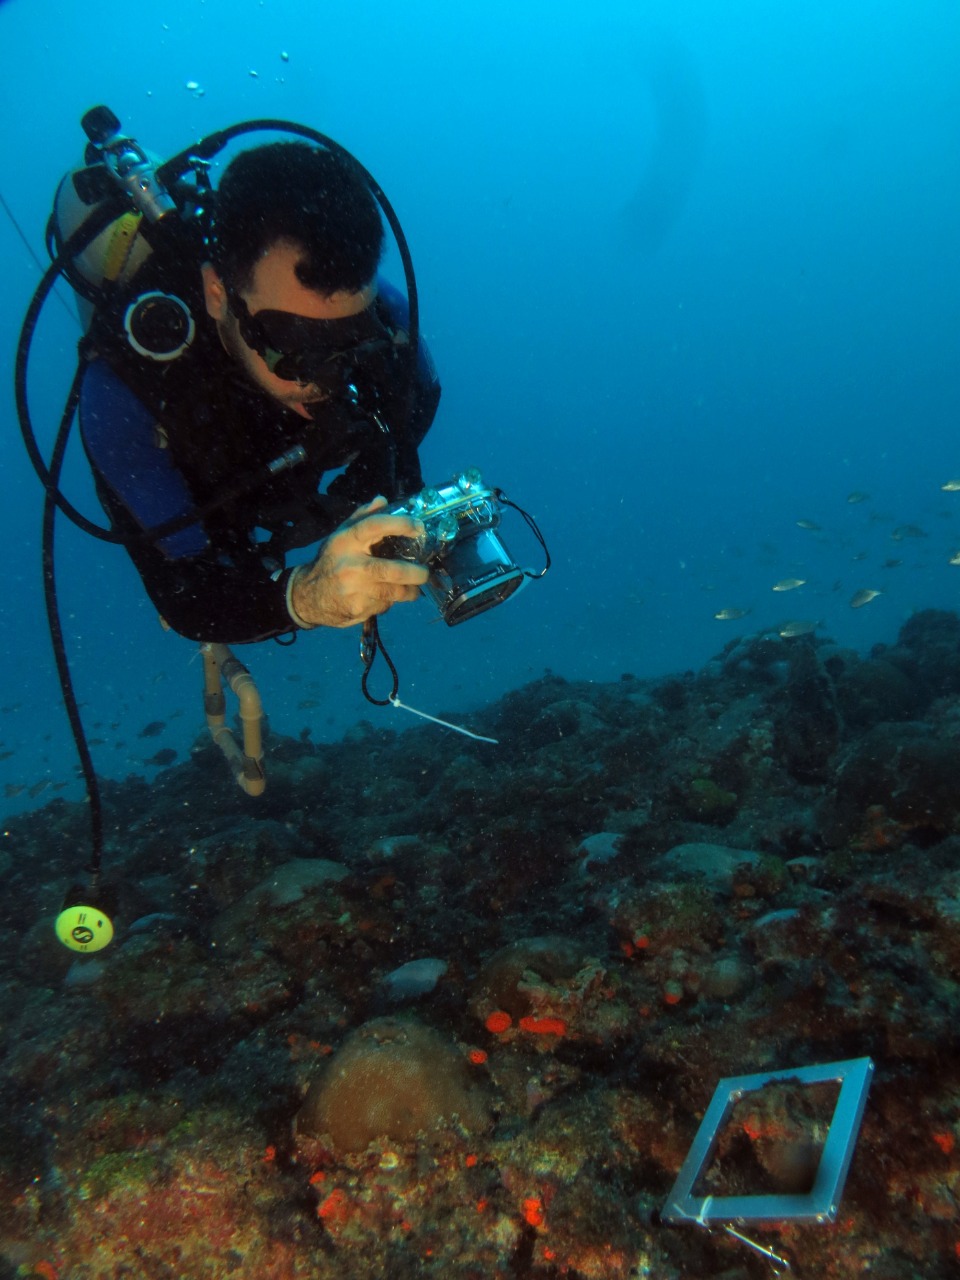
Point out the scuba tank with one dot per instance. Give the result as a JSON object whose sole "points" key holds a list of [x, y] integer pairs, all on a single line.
{"points": [[113, 162]]}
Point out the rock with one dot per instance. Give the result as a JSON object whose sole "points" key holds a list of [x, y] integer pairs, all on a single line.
{"points": [[908, 770], [807, 723], [386, 847], [874, 691], [508, 977], [704, 801], [598, 849], [291, 880], [414, 979], [714, 862], [726, 978], [285, 886]]}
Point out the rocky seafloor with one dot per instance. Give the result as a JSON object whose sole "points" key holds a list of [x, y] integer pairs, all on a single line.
{"points": [[647, 886]]}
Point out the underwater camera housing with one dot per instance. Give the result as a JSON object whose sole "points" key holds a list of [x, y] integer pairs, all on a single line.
{"points": [[470, 568]]}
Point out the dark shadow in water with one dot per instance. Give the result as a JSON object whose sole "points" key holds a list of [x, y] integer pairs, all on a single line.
{"points": [[668, 74]]}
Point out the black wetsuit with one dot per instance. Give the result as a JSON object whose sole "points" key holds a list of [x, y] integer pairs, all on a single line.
{"points": [[165, 438]]}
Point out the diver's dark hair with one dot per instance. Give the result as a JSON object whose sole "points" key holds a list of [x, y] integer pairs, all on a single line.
{"points": [[297, 192]]}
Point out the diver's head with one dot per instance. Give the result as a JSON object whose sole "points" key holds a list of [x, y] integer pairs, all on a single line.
{"points": [[295, 242], [275, 320]]}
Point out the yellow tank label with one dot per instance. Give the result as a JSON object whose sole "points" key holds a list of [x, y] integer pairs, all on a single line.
{"points": [[123, 232]]}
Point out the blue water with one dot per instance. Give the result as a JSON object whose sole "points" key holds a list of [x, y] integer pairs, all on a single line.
{"points": [[689, 272]]}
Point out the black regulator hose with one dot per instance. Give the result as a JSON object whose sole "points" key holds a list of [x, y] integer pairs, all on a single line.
{"points": [[56, 629], [98, 220]]}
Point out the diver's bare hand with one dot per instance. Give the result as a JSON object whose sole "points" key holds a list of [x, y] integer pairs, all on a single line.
{"points": [[347, 584]]}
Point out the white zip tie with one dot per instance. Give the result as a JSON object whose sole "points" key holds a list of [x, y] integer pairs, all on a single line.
{"points": [[479, 737]]}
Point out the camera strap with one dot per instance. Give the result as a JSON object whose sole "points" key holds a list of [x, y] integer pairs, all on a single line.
{"points": [[370, 645], [533, 527]]}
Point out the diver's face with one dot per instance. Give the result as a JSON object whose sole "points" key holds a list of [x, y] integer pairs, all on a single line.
{"points": [[275, 287]]}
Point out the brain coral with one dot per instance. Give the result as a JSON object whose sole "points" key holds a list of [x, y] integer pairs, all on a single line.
{"points": [[395, 1079]]}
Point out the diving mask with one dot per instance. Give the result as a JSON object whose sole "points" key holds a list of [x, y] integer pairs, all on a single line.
{"points": [[325, 353]]}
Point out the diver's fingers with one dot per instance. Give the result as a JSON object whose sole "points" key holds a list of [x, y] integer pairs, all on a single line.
{"points": [[372, 528], [375, 504], [391, 572]]}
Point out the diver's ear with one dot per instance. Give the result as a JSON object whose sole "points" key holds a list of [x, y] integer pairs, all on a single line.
{"points": [[214, 293]]}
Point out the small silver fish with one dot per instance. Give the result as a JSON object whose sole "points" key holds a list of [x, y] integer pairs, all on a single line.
{"points": [[789, 584], [731, 615], [800, 627], [864, 596], [955, 558], [907, 531], [857, 496], [808, 524], [952, 486]]}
